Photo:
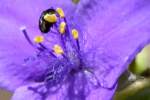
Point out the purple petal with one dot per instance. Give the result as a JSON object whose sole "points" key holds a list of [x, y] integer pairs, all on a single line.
{"points": [[28, 11], [18, 62], [12, 48], [97, 94], [114, 32], [22, 92], [101, 94]]}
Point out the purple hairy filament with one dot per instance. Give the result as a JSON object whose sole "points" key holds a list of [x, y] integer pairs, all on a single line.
{"points": [[68, 62]]}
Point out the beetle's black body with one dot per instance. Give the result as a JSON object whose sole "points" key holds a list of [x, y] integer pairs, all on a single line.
{"points": [[45, 26]]}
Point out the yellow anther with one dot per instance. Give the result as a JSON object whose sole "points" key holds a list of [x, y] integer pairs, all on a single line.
{"points": [[60, 12], [58, 50], [38, 39], [52, 18], [62, 27], [75, 34]]}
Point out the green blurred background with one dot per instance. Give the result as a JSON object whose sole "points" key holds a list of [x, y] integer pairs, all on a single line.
{"points": [[134, 84], [5, 95]]}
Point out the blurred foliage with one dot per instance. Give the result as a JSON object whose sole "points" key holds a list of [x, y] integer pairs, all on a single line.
{"points": [[134, 84], [126, 79], [5, 95], [141, 95], [76, 1], [141, 63], [140, 88]]}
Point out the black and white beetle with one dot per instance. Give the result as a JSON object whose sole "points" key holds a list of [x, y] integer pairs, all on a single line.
{"points": [[44, 25]]}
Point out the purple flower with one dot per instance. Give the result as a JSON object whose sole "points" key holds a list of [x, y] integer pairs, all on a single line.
{"points": [[82, 55]]}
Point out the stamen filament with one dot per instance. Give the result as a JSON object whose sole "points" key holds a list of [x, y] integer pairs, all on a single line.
{"points": [[46, 49], [78, 44], [26, 36]]}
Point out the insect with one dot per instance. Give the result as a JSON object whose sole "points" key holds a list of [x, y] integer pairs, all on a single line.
{"points": [[44, 25]]}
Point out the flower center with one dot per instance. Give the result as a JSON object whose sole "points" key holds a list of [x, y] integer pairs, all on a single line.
{"points": [[53, 21], [66, 57]]}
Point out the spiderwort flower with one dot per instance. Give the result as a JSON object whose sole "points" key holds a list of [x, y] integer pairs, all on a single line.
{"points": [[83, 54]]}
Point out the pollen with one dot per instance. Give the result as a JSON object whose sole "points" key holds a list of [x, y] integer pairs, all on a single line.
{"points": [[51, 18], [62, 27], [58, 50], [60, 12], [75, 34], [38, 39]]}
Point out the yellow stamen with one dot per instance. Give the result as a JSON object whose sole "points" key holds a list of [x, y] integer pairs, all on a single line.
{"points": [[60, 12], [62, 27], [75, 34], [58, 50], [38, 39], [50, 18]]}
